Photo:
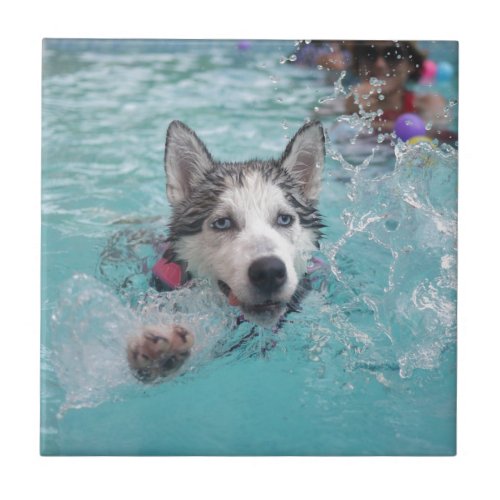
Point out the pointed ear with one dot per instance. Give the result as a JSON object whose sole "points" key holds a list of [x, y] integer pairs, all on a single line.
{"points": [[304, 158], [186, 161]]}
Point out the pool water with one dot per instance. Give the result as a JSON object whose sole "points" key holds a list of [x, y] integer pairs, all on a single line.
{"points": [[369, 365]]}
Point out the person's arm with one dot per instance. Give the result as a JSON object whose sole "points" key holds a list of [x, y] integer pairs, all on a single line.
{"points": [[431, 108]]}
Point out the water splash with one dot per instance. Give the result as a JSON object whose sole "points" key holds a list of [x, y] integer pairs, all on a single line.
{"points": [[400, 291], [284, 59], [90, 328], [88, 335], [360, 123], [338, 90]]}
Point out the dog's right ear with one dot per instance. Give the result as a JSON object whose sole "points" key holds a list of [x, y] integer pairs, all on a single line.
{"points": [[186, 161], [304, 158]]}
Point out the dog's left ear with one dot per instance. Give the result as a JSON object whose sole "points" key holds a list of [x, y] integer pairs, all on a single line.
{"points": [[304, 158], [186, 162]]}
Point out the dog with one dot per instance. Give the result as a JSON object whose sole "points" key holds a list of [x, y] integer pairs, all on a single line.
{"points": [[250, 227]]}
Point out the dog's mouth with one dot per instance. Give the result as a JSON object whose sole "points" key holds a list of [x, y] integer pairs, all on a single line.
{"points": [[268, 306]]}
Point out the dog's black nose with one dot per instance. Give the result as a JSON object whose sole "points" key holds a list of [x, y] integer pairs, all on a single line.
{"points": [[268, 274]]}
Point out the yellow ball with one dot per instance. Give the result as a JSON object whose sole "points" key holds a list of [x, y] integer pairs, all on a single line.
{"points": [[417, 139]]}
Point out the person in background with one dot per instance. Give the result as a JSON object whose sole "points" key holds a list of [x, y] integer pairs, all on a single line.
{"points": [[385, 69]]}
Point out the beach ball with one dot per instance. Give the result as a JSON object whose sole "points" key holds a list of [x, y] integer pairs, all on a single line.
{"points": [[418, 139], [429, 70], [445, 71], [409, 125]]}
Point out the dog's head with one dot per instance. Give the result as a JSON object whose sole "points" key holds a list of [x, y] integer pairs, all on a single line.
{"points": [[249, 226]]}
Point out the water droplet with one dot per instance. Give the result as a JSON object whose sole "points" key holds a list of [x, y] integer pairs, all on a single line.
{"points": [[453, 102], [428, 126], [283, 60], [380, 138], [319, 67], [292, 58], [284, 124], [381, 97], [279, 100]]}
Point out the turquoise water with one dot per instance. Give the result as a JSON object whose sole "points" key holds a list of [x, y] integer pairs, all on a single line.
{"points": [[367, 368]]}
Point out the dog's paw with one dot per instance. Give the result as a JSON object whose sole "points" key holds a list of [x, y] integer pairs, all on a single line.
{"points": [[159, 351]]}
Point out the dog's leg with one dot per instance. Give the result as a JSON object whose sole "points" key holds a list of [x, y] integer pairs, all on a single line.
{"points": [[159, 351]]}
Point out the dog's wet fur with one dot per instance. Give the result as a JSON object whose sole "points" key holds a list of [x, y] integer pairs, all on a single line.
{"points": [[248, 226]]}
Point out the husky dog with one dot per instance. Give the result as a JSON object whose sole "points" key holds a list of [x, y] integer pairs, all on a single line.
{"points": [[250, 227]]}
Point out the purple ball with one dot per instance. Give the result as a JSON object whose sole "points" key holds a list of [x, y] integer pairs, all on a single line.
{"points": [[244, 45], [409, 125]]}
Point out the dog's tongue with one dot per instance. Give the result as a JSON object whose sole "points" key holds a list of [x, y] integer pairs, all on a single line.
{"points": [[233, 300]]}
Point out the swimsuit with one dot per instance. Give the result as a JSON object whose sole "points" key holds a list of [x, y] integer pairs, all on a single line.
{"points": [[408, 106]]}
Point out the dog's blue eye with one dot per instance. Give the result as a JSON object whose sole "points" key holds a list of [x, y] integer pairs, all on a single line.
{"points": [[222, 224], [284, 220]]}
